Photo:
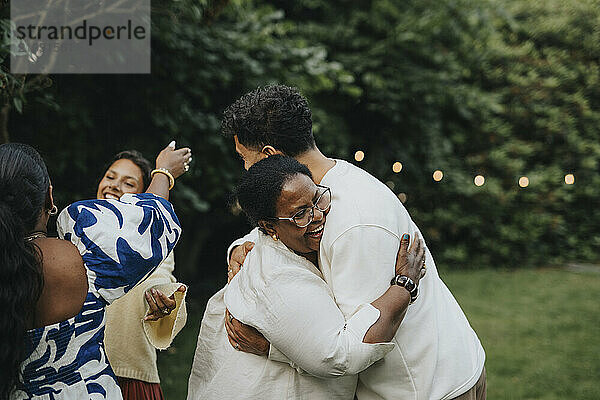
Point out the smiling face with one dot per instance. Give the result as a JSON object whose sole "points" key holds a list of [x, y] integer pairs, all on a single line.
{"points": [[123, 176], [299, 193]]}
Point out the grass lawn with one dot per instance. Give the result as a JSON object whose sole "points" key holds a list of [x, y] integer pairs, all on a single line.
{"points": [[540, 330]]}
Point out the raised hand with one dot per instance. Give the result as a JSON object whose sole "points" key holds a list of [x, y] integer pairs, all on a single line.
{"points": [[238, 255], [175, 161], [411, 261]]}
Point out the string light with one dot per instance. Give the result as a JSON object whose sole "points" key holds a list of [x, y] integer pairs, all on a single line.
{"points": [[523, 181], [438, 175], [402, 197], [397, 167], [569, 179]]}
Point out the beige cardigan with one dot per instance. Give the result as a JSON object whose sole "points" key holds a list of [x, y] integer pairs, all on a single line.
{"points": [[130, 341]]}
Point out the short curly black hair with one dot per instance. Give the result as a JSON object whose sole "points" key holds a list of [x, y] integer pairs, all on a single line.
{"points": [[259, 188], [275, 115]]}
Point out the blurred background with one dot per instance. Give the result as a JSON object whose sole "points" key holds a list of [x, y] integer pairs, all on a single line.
{"points": [[483, 117]]}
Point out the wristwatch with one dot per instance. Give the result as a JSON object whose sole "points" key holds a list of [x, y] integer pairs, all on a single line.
{"points": [[408, 284]]}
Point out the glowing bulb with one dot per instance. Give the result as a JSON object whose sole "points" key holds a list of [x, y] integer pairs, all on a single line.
{"points": [[569, 179], [402, 197], [523, 181], [438, 175], [479, 180], [359, 155], [397, 167]]}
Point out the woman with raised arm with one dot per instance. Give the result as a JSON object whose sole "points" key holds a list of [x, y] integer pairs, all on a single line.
{"points": [[281, 292], [151, 314], [55, 291]]}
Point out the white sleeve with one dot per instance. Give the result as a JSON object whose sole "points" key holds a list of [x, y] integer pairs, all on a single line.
{"points": [[362, 261], [296, 313], [250, 237]]}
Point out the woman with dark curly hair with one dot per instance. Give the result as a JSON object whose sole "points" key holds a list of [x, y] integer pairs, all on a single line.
{"points": [[55, 291], [280, 291]]}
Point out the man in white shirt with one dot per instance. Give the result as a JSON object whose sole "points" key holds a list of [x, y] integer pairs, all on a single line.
{"points": [[437, 353]]}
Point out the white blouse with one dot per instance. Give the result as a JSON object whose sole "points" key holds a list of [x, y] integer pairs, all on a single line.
{"points": [[284, 296]]}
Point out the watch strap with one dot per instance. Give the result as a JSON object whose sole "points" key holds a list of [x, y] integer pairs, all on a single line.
{"points": [[408, 284]]}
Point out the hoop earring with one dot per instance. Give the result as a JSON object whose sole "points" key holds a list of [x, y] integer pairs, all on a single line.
{"points": [[53, 211]]}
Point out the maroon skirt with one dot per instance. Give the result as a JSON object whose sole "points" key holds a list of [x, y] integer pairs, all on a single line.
{"points": [[133, 389]]}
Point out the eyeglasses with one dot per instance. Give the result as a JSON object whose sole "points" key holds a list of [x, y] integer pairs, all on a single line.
{"points": [[304, 217]]}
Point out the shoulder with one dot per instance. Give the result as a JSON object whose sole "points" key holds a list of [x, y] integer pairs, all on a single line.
{"points": [[360, 199], [54, 249], [270, 260], [62, 262]]}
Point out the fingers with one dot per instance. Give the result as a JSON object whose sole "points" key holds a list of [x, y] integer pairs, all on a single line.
{"points": [[404, 241], [158, 299], [237, 258], [182, 289], [414, 243], [244, 337], [232, 341], [163, 303], [232, 270], [239, 253], [247, 247], [151, 302], [419, 250], [232, 335], [417, 259], [233, 263], [154, 312], [151, 317], [176, 161], [401, 257], [169, 302]]}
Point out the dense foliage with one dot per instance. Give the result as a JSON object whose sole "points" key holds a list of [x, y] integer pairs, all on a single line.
{"points": [[503, 89]]}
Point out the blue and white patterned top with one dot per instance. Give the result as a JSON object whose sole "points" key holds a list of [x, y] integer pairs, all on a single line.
{"points": [[121, 243]]}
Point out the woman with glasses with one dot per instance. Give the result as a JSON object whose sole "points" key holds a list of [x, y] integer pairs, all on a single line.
{"points": [[280, 291]]}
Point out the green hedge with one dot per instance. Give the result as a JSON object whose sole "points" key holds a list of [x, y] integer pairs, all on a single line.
{"points": [[503, 89]]}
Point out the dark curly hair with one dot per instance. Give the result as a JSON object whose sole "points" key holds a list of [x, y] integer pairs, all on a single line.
{"points": [[138, 159], [276, 115], [260, 186], [24, 184]]}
